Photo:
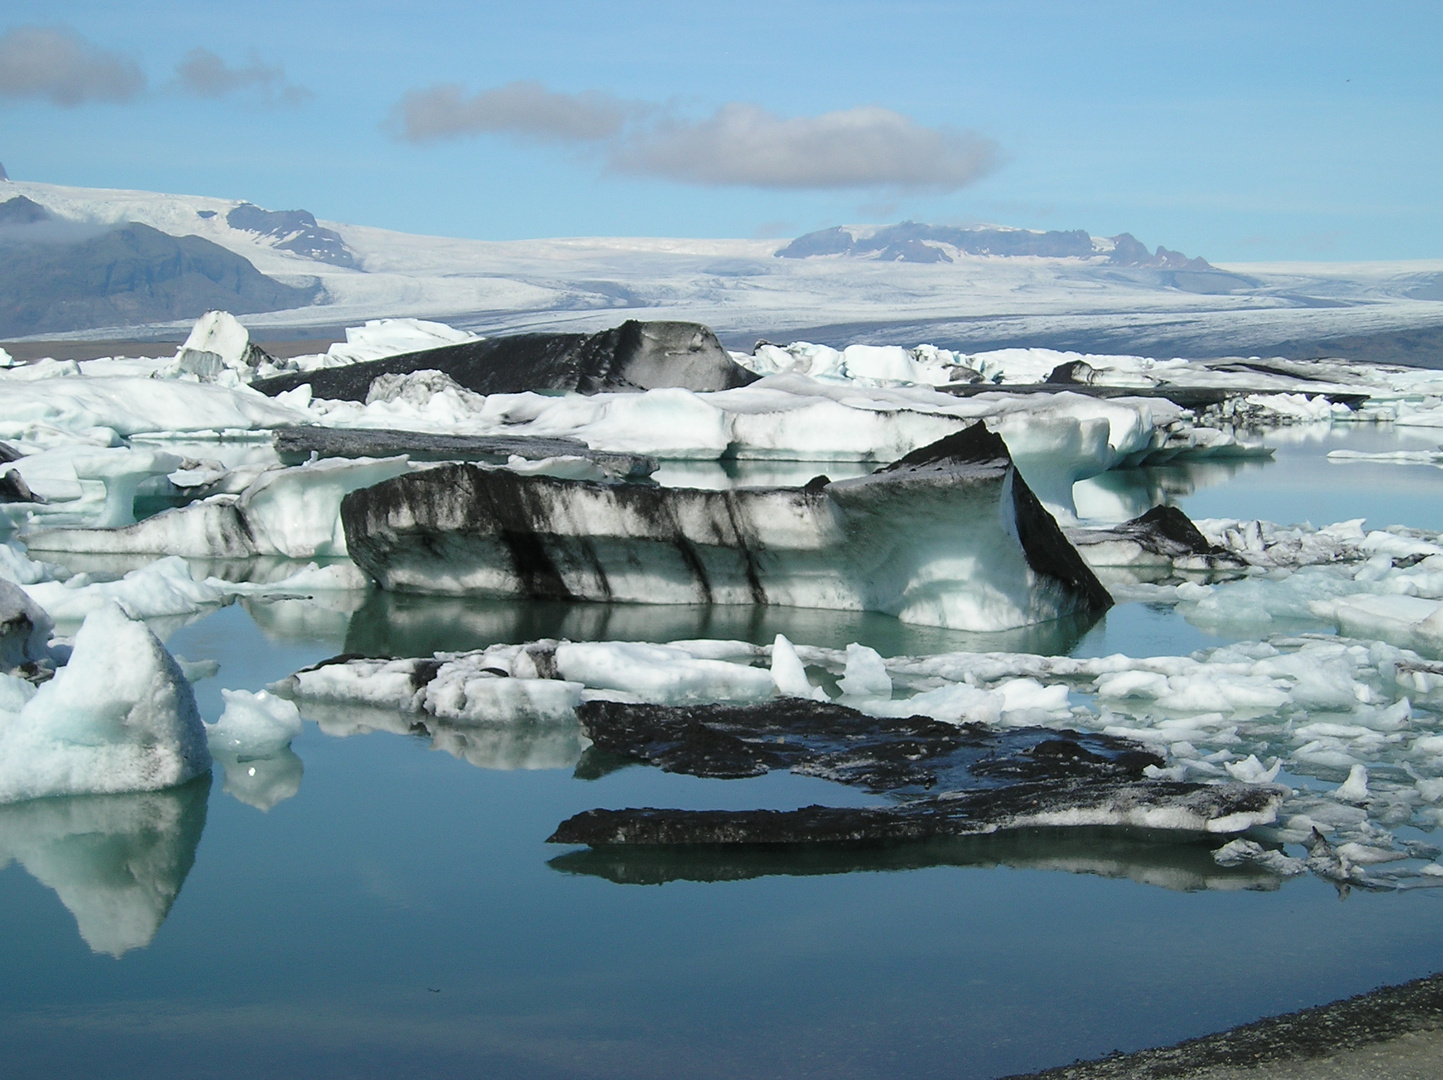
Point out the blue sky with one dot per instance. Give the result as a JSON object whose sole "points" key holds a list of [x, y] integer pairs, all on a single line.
{"points": [[1239, 131]]}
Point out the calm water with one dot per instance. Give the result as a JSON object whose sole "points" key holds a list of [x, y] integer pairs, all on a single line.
{"points": [[400, 913]]}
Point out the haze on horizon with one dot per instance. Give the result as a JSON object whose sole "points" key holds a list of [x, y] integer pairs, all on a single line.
{"points": [[1241, 132]]}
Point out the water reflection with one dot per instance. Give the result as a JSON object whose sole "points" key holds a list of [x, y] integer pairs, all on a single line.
{"points": [[326, 616], [400, 624], [263, 782], [1112, 853], [1123, 494], [117, 862], [503, 746]]}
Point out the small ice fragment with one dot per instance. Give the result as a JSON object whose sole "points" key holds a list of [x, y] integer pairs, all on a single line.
{"points": [[866, 675], [1355, 788], [1240, 851], [1252, 771], [196, 670], [254, 725], [789, 674]]}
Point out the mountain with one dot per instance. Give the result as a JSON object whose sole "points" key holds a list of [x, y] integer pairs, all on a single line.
{"points": [[958, 288], [293, 230], [914, 242], [124, 276]]}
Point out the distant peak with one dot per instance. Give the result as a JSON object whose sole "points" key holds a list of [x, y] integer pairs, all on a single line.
{"points": [[3, 174], [22, 211], [913, 241], [295, 231]]}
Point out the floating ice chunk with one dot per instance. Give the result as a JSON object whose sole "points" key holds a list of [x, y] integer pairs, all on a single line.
{"points": [[883, 363], [218, 344], [1252, 771], [131, 406], [164, 587], [1240, 851], [16, 566], [660, 673], [293, 512], [24, 628], [117, 862], [1029, 695], [120, 716], [947, 536], [1367, 854], [1430, 790], [122, 471], [790, 675], [460, 694], [866, 674], [1355, 788], [253, 725], [1404, 620]]}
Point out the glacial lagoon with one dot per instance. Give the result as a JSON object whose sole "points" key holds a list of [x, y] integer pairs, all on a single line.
{"points": [[378, 905]]}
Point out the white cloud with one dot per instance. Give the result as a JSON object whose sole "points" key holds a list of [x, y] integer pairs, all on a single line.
{"points": [[744, 145], [524, 109], [204, 74], [59, 64], [739, 145]]}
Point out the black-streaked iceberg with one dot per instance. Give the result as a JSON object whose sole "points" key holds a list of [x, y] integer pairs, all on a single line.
{"points": [[949, 535]]}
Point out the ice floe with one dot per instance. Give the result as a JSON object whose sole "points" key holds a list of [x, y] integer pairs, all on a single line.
{"points": [[1352, 726]]}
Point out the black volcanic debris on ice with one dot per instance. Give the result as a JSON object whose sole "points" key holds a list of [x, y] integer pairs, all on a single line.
{"points": [[632, 356], [952, 780]]}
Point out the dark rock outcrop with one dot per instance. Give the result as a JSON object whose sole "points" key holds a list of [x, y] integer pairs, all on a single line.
{"points": [[22, 211], [632, 356], [296, 231]]}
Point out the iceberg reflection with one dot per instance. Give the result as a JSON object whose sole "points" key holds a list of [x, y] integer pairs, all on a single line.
{"points": [[505, 746], [1105, 852], [262, 782], [117, 862], [401, 624]]}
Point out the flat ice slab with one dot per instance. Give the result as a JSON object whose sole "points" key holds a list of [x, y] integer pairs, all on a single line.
{"points": [[950, 536]]}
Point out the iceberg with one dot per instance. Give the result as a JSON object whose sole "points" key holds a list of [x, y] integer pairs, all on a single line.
{"points": [[949, 535], [633, 356], [119, 716], [293, 512]]}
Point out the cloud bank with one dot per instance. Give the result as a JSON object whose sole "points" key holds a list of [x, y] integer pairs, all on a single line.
{"points": [[523, 109], [744, 145], [739, 145], [202, 73], [58, 64]]}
